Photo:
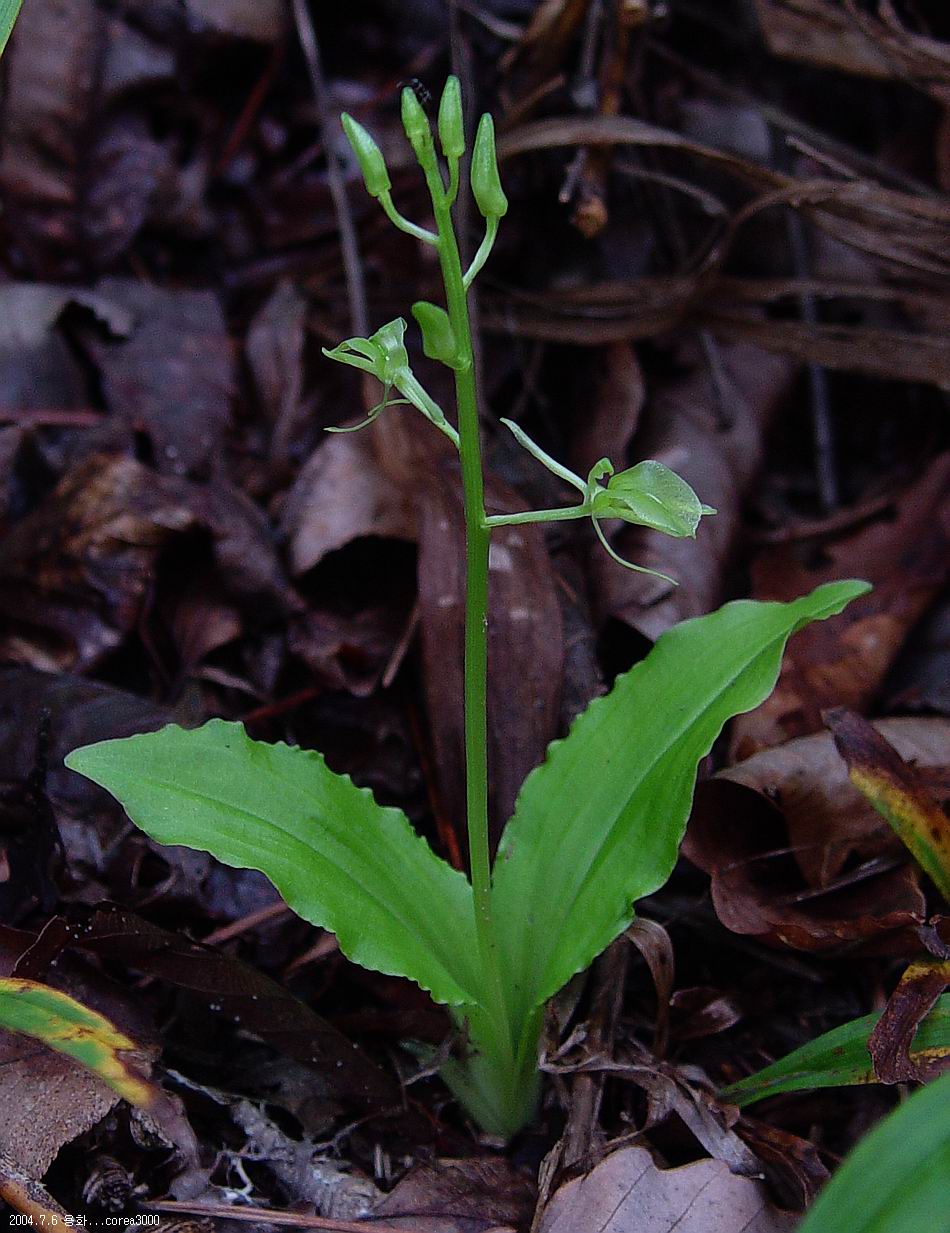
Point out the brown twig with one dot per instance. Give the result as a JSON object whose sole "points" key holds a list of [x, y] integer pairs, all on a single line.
{"points": [[270, 1215]]}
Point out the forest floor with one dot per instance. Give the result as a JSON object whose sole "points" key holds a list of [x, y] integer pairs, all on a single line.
{"points": [[727, 248]]}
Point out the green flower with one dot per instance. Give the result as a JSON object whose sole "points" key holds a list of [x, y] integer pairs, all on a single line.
{"points": [[385, 357]]}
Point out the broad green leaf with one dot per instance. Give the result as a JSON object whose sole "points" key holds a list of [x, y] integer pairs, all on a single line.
{"points": [[897, 1180], [63, 1024], [9, 11], [839, 1058], [337, 858], [598, 825]]}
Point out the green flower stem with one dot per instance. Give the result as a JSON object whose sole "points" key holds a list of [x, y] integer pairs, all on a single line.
{"points": [[417, 396], [538, 515], [397, 220], [477, 541], [453, 188], [484, 249]]}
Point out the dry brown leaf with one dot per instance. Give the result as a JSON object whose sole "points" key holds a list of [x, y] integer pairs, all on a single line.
{"points": [[907, 561], [174, 375], [458, 1196], [740, 840], [75, 574], [828, 819], [78, 179], [609, 422], [274, 349], [24, 1194], [526, 652], [261, 20], [903, 228], [793, 1166], [627, 1193], [46, 1098], [890, 1043], [820, 32], [718, 449], [603, 313], [342, 493], [38, 368]]}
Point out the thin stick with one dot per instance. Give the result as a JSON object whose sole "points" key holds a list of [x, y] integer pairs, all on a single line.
{"points": [[270, 1215], [355, 287]]}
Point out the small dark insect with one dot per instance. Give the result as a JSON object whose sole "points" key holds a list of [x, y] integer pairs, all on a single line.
{"points": [[421, 91]]}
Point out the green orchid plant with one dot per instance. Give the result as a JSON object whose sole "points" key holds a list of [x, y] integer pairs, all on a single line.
{"points": [[596, 827]]}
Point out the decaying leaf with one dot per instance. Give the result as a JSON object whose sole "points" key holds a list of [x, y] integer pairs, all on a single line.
{"points": [[38, 369], [78, 186], [820, 32], [340, 494], [274, 347], [24, 1194], [740, 838], [897, 791], [627, 1193], [65, 1025], [47, 1100], [846, 669], [460, 1196], [853, 39], [241, 993], [47, 1096], [525, 645], [805, 783], [77, 572], [174, 375], [75, 710], [891, 1044], [710, 428]]}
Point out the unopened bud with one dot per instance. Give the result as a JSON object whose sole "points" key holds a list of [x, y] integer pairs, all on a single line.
{"points": [[415, 122], [438, 337], [368, 154], [451, 122], [486, 183]]}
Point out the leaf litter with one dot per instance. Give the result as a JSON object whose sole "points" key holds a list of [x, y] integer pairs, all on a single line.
{"points": [[179, 539]]}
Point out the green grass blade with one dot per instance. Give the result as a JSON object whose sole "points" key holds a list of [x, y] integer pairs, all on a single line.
{"points": [[839, 1058], [9, 11], [897, 1180], [598, 825], [337, 858]]}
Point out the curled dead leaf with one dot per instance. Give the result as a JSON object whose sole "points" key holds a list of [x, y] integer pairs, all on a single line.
{"points": [[906, 560], [627, 1193]]}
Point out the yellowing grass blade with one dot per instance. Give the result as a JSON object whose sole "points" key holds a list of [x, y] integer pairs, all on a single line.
{"points": [[895, 790], [61, 1023]]}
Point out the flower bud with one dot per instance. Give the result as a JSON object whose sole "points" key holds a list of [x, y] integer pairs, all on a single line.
{"points": [[451, 122], [486, 184], [438, 337], [415, 122], [368, 154]]}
